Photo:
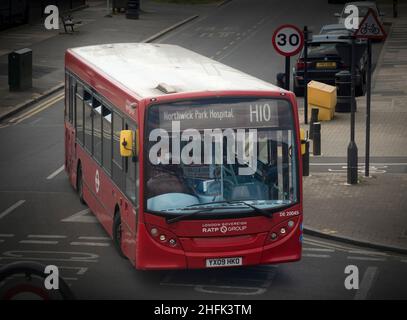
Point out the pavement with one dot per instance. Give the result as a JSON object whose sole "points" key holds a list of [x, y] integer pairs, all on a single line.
{"points": [[373, 212]]}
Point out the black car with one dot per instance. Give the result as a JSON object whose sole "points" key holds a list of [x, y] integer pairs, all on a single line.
{"points": [[324, 61]]}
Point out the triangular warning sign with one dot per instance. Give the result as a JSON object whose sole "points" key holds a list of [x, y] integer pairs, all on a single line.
{"points": [[370, 27]]}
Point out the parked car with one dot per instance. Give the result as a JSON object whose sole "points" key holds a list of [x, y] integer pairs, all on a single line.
{"points": [[336, 28], [363, 7], [324, 61]]}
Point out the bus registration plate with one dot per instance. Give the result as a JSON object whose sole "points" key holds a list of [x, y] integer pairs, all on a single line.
{"points": [[223, 262]]}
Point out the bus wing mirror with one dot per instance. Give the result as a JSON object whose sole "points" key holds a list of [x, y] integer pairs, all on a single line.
{"points": [[126, 143]]}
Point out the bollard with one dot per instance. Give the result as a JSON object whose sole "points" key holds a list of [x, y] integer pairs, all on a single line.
{"points": [[280, 80], [314, 118], [316, 141], [305, 160], [304, 153]]}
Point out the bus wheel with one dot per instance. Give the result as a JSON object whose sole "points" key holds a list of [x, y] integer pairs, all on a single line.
{"points": [[117, 234], [79, 184]]}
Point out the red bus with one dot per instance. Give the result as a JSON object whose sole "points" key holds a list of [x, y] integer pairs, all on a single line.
{"points": [[186, 162]]}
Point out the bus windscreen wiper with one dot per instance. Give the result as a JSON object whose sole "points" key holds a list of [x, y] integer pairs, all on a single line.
{"points": [[184, 216], [256, 209]]}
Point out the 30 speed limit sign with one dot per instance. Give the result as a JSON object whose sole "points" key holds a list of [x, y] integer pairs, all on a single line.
{"points": [[288, 40]]}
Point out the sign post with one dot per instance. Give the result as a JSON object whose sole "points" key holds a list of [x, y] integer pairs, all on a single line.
{"points": [[370, 28], [288, 40]]}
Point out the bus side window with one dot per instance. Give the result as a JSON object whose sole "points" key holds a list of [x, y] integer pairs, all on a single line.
{"points": [[117, 163], [131, 166], [87, 103], [107, 138], [79, 113], [97, 129]]}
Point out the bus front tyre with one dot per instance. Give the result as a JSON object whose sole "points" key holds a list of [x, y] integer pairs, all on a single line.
{"points": [[117, 234], [79, 185]]}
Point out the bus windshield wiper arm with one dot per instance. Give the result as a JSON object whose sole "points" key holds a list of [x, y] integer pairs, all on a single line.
{"points": [[256, 209], [184, 216]]}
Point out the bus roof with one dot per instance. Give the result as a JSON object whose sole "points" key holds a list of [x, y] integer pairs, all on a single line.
{"points": [[151, 70]]}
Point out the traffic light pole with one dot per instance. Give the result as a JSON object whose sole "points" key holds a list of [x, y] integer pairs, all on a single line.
{"points": [[287, 73], [305, 74], [368, 97], [352, 170]]}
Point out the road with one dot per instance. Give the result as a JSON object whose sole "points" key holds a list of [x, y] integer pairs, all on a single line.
{"points": [[41, 218]]}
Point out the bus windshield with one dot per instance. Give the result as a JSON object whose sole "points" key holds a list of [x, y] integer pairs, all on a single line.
{"points": [[205, 153]]}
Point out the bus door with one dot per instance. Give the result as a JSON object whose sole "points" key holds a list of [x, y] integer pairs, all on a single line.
{"points": [[129, 210], [70, 155]]}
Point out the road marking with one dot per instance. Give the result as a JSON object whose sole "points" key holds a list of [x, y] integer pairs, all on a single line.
{"points": [[37, 109], [73, 256], [1, 240], [13, 207], [69, 279], [6, 235], [372, 164], [405, 261], [311, 255], [369, 252], [94, 244], [83, 216], [318, 249], [367, 281], [94, 238], [38, 242], [367, 259], [35, 121], [255, 290], [56, 172], [81, 270], [46, 236]]}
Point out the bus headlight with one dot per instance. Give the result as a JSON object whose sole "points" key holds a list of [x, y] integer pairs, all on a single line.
{"points": [[154, 232]]}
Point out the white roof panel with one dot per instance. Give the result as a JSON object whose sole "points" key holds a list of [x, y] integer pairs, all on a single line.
{"points": [[141, 67]]}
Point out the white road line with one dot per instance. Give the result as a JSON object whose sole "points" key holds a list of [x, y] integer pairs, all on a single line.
{"points": [[1, 240], [367, 281], [6, 235], [81, 270], [311, 255], [94, 244], [35, 121], [83, 216], [69, 279], [38, 242], [56, 172], [369, 252], [13, 207], [318, 249], [367, 259], [94, 238], [46, 236], [372, 164], [405, 261]]}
